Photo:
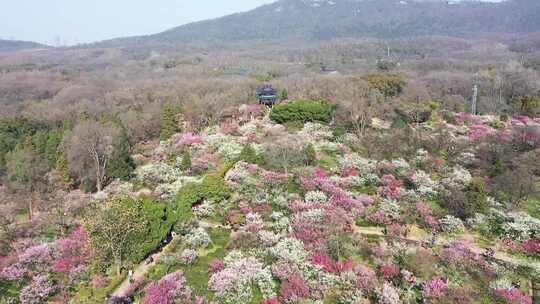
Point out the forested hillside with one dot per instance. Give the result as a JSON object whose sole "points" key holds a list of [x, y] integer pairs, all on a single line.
{"points": [[321, 20]]}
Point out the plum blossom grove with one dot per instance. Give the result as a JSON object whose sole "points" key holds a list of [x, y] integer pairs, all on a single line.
{"points": [[266, 224]]}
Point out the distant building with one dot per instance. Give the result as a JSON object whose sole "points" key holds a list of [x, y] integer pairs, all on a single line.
{"points": [[267, 95]]}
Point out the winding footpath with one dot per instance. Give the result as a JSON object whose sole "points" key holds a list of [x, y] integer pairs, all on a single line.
{"points": [[140, 272], [499, 257], [125, 289]]}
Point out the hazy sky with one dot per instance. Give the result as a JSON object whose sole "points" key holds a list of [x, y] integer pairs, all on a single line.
{"points": [[77, 21]]}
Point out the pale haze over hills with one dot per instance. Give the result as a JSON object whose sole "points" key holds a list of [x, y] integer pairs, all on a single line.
{"points": [[87, 21]]}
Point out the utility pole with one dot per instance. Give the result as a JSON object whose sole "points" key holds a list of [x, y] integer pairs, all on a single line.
{"points": [[474, 100]]}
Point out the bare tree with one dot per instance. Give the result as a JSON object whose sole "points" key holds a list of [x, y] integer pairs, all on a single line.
{"points": [[89, 148], [357, 104], [284, 153]]}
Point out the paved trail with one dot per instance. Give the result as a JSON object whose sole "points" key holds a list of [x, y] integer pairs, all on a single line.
{"points": [[143, 268], [140, 272]]}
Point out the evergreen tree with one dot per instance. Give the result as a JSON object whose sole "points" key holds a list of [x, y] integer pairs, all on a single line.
{"points": [[62, 167], [249, 155], [169, 121], [186, 161], [51, 147], [121, 165], [310, 154], [26, 171], [284, 94]]}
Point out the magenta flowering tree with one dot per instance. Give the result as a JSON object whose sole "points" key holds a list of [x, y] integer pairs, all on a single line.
{"points": [[165, 291], [461, 254], [324, 261], [73, 251], [392, 187], [480, 131], [216, 266], [190, 139], [272, 178], [271, 301], [531, 246], [513, 296], [426, 215], [366, 278], [294, 289], [436, 288], [389, 271], [344, 266], [349, 171], [527, 135]]}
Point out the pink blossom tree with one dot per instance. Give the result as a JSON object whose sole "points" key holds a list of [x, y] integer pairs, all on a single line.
{"points": [[294, 289], [165, 291], [38, 291]]}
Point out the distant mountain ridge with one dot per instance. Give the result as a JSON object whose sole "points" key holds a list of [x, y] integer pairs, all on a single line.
{"points": [[16, 45], [324, 19]]}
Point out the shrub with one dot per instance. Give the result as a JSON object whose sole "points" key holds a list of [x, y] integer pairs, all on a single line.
{"points": [[186, 162], [198, 238], [311, 155], [189, 256], [476, 196], [527, 105], [303, 111], [249, 155], [452, 224], [389, 85], [212, 188]]}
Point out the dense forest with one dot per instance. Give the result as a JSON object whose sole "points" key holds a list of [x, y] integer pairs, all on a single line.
{"points": [[149, 173]]}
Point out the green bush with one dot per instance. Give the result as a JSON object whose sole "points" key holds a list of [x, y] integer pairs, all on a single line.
{"points": [[12, 132], [186, 161], [303, 111], [311, 154], [476, 197], [249, 155], [212, 188], [121, 165]]}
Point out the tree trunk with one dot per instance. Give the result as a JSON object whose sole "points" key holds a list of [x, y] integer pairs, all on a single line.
{"points": [[535, 282], [31, 208], [118, 265]]}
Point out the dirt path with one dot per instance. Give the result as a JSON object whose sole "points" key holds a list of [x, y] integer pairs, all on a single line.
{"points": [[140, 272], [476, 249]]}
